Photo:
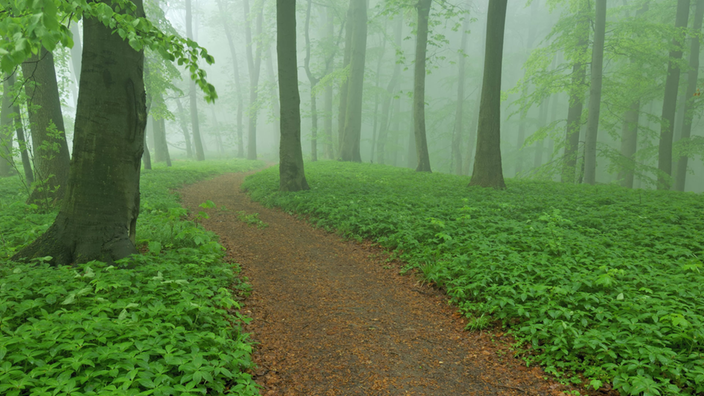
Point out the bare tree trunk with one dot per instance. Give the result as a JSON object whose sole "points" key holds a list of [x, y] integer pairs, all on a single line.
{"points": [[291, 173], [595, 93], [669, 105], [47, 123], [236, 74], [313, 82], [6, 123], [691, 88], [423, 7], [349, 149], [16, 120], [195, 124], [98, 216], [391, 89], [254, 61], [456, 153], [184, 128], [347, 57], [274, 98]]}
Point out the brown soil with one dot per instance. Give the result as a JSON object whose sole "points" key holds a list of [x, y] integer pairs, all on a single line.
{"points": [[333, 317]]}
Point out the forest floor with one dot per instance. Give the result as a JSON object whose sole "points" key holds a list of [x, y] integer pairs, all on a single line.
{"points": [[335, 317]]}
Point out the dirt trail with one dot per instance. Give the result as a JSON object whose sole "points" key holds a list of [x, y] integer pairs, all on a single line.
{"points": [[333, 318]]}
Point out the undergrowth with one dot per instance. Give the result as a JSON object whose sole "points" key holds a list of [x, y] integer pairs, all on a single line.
{"points": [[169, 326], [593, 280]]}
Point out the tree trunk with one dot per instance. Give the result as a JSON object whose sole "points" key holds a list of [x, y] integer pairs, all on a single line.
{"points": [[161, 149], [396, 112], [669, 105], [487, 163], [346, 59], [629, 143], [412, 157], [327, 122], [184, 128], [691, 88], [349, 150], [543, 122], [595, 93], [6, 123], [377, 84], [391, 89], [576, 100], [419, 86], [291, 173], [253, 65], [456, 152], [274, 98], [313, 82], [51, 158], [195, 124], [146, 156], [236, 74], [98, 216], [19, 129]]}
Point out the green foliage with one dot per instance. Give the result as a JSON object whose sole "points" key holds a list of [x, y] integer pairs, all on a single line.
{"points": [[594, 279], [162, 323], [251, 219]]}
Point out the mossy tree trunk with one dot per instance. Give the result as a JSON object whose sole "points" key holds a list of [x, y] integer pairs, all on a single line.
{"points": [[291, 173], [98, 215], [487, 162]]}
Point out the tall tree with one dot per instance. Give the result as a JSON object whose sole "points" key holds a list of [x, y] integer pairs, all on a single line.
{"points": [[51, 158], [669, 105], [6, 162], [487, 162], [576, 91], [327, 101], [595, 93], [291, 173], [273, 94], [254, 61], [195, 124], [184, 127], [346, 58], [423, 8], [98, 215], [14, 117], [236, 74], [391, 89], [691, 89], [456, 153], [351, 136], [313, 97]]}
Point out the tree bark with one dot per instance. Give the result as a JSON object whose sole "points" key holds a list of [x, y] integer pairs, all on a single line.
{"points": [[19, 129], [254, 61], [346, 59], [456, 152], [391, 89], [291, 173], [313, 82], [351, 137], [669, 105], [487, 163], [161, 148], [146, 156], [576, 100], [419, 86], [681, 179], [236, 74], [274, 98], [595, 93], [98, 216], [195, 124], [51, 158], [327, 121], [6, 124], [377, 84]]}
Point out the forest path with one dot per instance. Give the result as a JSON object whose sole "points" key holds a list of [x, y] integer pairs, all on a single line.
{"points": [[333, 318]]}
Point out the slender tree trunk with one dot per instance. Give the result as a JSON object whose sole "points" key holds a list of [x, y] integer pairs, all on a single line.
{"points": [[161, 148], [487, 163], [291, 173], [412, 157], [236, 74], [691, 89], [576, 100], [254, 60], [349, 150], [423, 7], [543, 122], [50, 148], [669, 105], [347, 57], [377, 84], [391, 89], [313, 82], [16, 120], [184, 128], [274, 98], [6, 124], [98, 216], [456, 151], [629, 143], [396, 109], [595, 93], [327, 122], [195, 124], [146, 157]]}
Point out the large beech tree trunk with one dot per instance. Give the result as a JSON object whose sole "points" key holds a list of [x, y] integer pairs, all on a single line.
{"points": [[595, 93], [419, 87], [291, 173], [51, 158], [669, 105], [98, 214], [351, 134], [487, 162], [691, 88]]}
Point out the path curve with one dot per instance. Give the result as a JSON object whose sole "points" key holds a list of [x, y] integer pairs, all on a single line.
{"points": [[333, 318]]}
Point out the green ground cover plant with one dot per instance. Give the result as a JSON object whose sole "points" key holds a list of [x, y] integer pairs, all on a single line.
{"points": [[162, 323], [597, 280]]}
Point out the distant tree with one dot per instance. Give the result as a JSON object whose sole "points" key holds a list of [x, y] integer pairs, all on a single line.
{"points": [[423, 8], [487, 162], [595, 93], [291, 173], [51, 158], [456, 152], [391, 89], [669, 105], [6, 162], [195, 124], [691, 89], [351, 134], [254, 61]]}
